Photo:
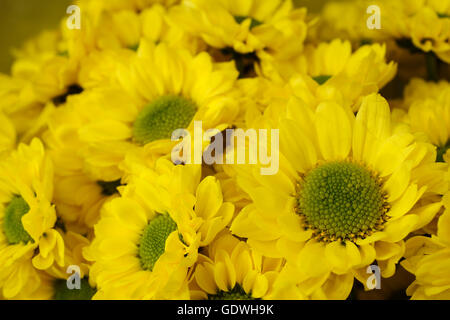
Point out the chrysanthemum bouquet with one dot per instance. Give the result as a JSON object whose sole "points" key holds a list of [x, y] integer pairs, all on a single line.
{"points": [[228, 149]]}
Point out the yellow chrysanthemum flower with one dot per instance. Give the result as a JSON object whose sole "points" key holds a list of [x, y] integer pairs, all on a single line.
{"points": [[425, 24], [40, 74], [158, 91], [429, 113], [246, 31], [346, 20], [61, 282], [28, 240], [233, 271], [148, 238], [110, 42], [429, 260], [338, 73], [107, 32], [246, 26], [346, 193]]}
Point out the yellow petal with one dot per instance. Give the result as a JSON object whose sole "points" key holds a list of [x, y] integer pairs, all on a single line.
{"points": [[400, 228], [334, 131], [221, 278], [204, 276], [406, 202], [386, 250], [47, 243], [209, 197], [41, 263], [244, 225], [105, 130], [426, 214], [398, 182], [444, 226], [260, 286], [372, 125], [296, 146], [290, 224], [310, 260], [243, 265]]}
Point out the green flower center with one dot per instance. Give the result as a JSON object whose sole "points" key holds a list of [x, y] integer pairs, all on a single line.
{"points": [[237, 293], [86, 292], [153, 240], [342, 200], [321, 79], [12, 223], [161, 117], [253, 23], [441, 151]]}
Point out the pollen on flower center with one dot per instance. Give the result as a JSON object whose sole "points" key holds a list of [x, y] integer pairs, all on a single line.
{"points": [[153, 240], [237, 293], [12, 222], [62, 292], [161, 117], [342, 200]]}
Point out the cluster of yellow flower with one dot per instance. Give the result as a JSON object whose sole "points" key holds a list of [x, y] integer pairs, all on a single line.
{"points": [[86, 177]]}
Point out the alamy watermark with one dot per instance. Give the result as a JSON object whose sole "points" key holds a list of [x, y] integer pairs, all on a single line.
{"points": [[231, 151], [74, 20], [374, 281], [74, 280], [374, 21]]}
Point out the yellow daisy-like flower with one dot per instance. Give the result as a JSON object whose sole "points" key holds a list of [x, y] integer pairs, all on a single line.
{"points": [[68, 282], [429, 113], [40, 74], [233, 271], [422, 24], [110, 42], [338, 73], [246, 30], [148, 238], [158, 91], [337, 204], [28, 240], [151, 23], [45, 68], [245, 26], [429, 260], [346, 20]]}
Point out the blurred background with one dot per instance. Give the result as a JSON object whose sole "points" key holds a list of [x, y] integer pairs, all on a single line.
{"points": [[22, 19]]}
